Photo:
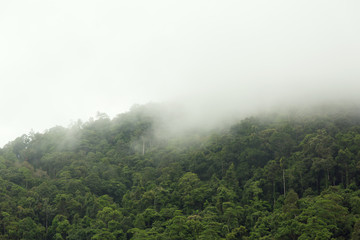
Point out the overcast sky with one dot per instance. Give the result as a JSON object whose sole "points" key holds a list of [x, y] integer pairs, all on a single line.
{"points": [[65, 60]]}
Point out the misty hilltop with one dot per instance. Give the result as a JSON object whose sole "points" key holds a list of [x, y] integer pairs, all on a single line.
{"points": [[149, 174], [64, 60], [248, 123]]}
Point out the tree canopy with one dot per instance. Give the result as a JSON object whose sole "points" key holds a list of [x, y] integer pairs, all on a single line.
{"points": [[265, 177]]}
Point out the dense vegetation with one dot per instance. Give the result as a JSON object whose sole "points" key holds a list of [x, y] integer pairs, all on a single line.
{"points": [[274, 177]]}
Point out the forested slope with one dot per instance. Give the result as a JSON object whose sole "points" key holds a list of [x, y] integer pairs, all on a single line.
{"points": [[274, 177]]}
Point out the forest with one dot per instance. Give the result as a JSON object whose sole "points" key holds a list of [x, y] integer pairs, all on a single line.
{"points": [[271, 176]]}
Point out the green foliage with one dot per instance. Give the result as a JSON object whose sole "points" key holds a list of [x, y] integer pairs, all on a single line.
{"points": [[262, 178]]}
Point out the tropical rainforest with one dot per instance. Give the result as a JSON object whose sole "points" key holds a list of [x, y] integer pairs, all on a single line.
{"points": [[272, 176]]}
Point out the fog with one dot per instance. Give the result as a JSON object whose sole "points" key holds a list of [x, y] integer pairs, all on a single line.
{"points": [[209, 60]]}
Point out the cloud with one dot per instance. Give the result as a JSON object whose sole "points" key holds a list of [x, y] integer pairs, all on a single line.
{"points": [[64, 60]]}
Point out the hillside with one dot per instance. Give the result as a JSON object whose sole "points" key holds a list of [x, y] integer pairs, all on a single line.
{"points": [[279, 176]]}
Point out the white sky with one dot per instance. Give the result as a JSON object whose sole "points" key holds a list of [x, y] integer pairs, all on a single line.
{"points": [[65, 60]]}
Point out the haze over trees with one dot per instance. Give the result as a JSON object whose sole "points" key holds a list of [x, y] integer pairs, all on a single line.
{"points": [[275, 176]]}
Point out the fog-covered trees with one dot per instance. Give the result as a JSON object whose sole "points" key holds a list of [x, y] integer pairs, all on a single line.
{"points": [[262, 178]]}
